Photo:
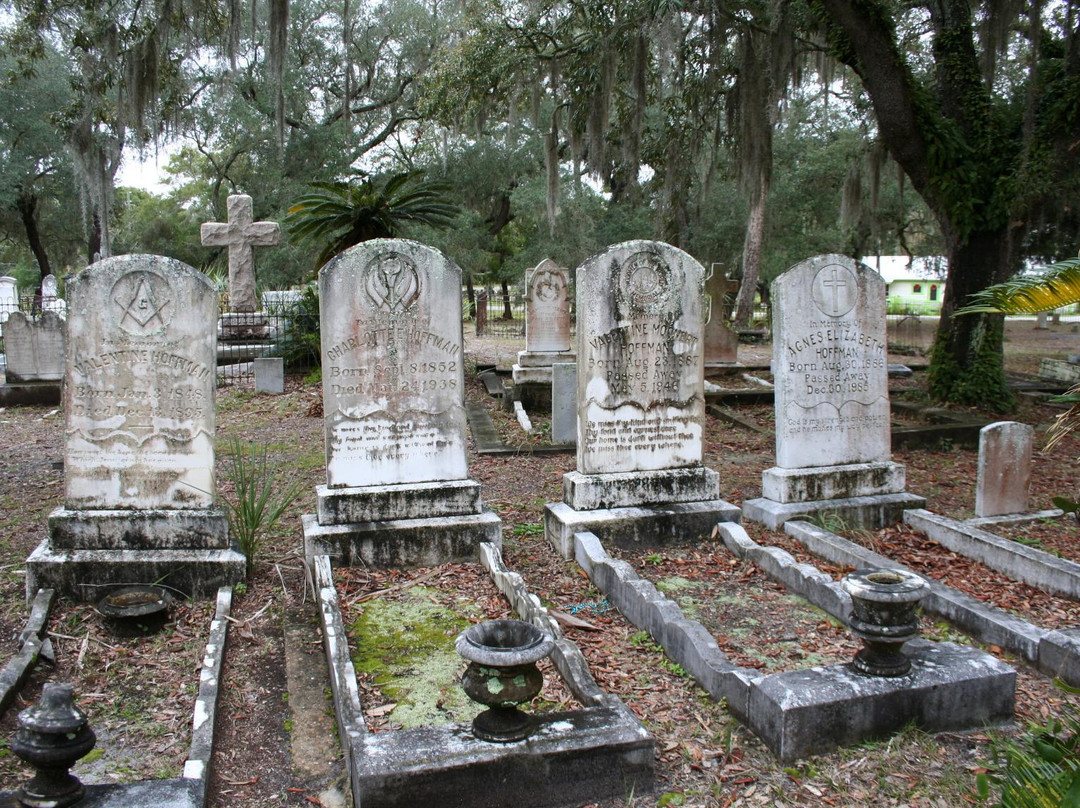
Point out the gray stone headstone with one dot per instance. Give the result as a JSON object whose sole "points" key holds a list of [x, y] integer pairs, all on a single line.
{"points": [[241, 235], [50, 296], [9, 299], [35, 348], [564, 402], [640, 385], [393, 376], [721, 342], [547, 308], [140, 385], [270, 375], [830, 364], [1004, 477]]}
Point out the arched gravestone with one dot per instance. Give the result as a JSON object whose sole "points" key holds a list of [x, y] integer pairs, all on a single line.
{"points": [[641, 403], [547, 334], [397, 487], [830, 375], [139, 399]]}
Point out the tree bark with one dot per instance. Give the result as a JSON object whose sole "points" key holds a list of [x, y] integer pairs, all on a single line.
{"points": [[751, 259], [28, 211], [508, 310]]}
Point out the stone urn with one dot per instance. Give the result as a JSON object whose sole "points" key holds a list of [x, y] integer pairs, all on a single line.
{"points": [[884, 616], [52, 735], [502, 674], [135, 611]]}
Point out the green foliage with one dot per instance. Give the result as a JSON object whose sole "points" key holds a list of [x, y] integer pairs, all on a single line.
{"points": [[1057, 286], [338, 215], [1038, 769], [257, 500], [980, 381], [301, 344]]}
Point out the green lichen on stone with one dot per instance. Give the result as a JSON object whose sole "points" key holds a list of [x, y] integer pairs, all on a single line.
{"points": [[674, 583], [407, 647]]}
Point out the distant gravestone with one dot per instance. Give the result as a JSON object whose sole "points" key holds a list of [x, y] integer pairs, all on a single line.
{"points": [[269, 375], [50, 296], [1004, 477], [547, 334], [641, 401], [241, 235], [34, 348], [394, 409], [9, 299], [139, 434], [830, 371], [721, 341]]}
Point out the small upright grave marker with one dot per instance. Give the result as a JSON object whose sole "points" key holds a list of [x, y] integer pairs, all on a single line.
{"points": [[721, 342], [547, 334], [397, 487], [830, 369], [34, 348], [641, 402], [1004, 477]]}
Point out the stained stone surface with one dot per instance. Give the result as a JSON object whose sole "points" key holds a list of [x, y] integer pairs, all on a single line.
{"points": [[721, 342], [830, 364], [393, 377], [564, 402], [241, 235], [34, 348], [640, 384], [547, 308], [140, 385], [1004, 478]]}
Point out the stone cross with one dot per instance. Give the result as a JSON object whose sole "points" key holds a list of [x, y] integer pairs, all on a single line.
{"points": [[241, 235]]}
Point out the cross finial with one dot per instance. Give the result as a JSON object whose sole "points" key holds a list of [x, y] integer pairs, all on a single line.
{"points": [[241, 235]]}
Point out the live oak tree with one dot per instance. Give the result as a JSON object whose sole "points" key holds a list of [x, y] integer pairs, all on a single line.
{"points": [[979, 103]]}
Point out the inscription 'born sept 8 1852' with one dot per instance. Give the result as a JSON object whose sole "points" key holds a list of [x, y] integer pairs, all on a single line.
{"points": [[139, 392], [640, 388], [393, 378]]}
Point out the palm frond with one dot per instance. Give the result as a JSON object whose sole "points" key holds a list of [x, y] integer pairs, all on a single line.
{"points": [[1058, 286]]}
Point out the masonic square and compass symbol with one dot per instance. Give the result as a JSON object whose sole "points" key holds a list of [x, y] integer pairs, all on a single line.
{"points": [[835, 290], [142, 299]]}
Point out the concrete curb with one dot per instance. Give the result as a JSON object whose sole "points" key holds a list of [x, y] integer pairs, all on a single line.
{"points": [[1058, 576], [1055, 653], [14, 674], [687, 642]]}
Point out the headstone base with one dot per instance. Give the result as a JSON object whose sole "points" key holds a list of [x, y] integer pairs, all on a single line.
{"points": [[870, 513], [402, 542], [201, 529], [175, 793], [724, 368], [638, 527], [950, 688], [532, 389], [832, 482], [378, 503], [235, 325], [572, 758], [20, 395], [587, 492], [543, 359], [88, 575]]}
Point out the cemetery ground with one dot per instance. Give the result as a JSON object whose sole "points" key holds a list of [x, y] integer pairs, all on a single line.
{"points": [[272, 751]]}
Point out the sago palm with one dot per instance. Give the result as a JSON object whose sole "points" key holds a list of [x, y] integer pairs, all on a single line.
{"points": [[337, 215]]}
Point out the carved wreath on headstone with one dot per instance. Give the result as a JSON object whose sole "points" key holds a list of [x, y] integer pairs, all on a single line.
{"points": [[143, 303], [392, 282], [548, 285], [644, 281]]}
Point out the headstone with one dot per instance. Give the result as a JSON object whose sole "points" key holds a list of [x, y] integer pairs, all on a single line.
{"points": [[9, 299], [1004, 476], [34, 348], [139, 435], [270, 375], [831, 398], [721, 341], [547, 334], [564, 403], [50, 297], [394, 409], [641, 401], [241, 235], [1040, 321]]}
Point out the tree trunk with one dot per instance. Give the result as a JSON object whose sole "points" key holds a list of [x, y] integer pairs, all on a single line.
{"points": [[966, 360], [93, 248], [470, 294], [508, 310], [28, 211], [751, 261]]}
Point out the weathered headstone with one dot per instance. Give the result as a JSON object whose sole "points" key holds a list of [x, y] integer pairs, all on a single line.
{"points": [[564, 403], [393, 400], [270, 375], [1004, 477], [50, 296], [34, 348], [830, 370], [641, 401], [9, 299], [547, 334], [139, 435], [721, 342], [241, 235]]}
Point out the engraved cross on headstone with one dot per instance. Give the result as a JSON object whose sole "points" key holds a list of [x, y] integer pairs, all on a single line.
{"points": [[241, 235], [836, 283]]}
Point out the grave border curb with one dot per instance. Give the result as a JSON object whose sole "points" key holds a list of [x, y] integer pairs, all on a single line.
{"points": [[17, 670]]}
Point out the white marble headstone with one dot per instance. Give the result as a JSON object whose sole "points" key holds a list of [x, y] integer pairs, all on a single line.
{"points": [[640, 379], [830, 364], [140, 386], [1003, 484], [393, 374], [547, 308]]}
